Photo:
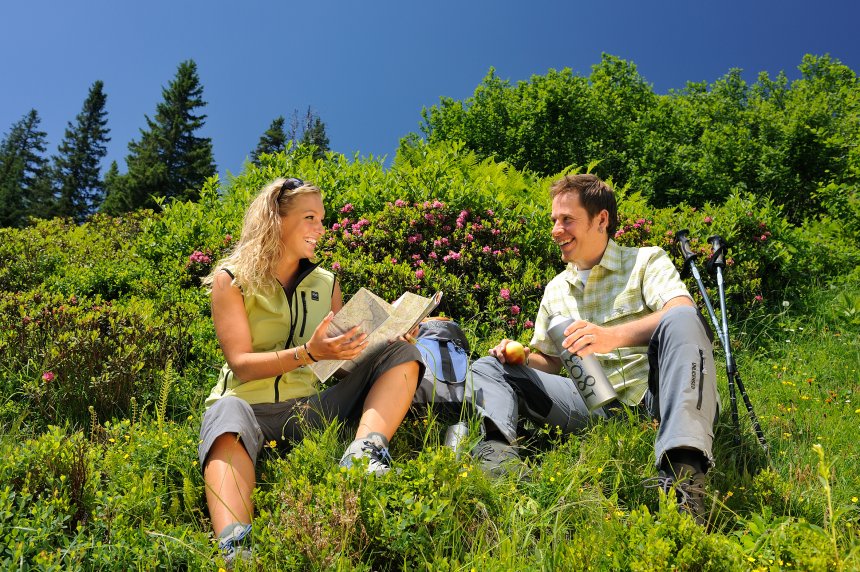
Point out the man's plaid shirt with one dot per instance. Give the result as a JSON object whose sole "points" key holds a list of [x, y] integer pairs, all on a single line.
{"points": [[627, 284]]}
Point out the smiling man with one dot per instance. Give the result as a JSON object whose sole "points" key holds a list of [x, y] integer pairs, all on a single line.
{"points": [[631, 310]]}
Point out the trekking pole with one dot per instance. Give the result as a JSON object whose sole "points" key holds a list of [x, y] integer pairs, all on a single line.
{"points": [[690, 263], [715, 264]]}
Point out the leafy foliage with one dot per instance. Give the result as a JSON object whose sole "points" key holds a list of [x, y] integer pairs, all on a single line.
{"points": [[109, 351], [699, 144]]}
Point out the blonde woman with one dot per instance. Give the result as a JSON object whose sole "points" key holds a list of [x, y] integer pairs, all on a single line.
{"points": [[271, 306]]}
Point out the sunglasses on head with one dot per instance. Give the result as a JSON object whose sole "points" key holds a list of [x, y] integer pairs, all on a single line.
{"points": [[290, 184]]}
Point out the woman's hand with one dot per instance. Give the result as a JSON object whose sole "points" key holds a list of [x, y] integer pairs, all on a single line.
{"points": [[346, 346], [410, 336]]}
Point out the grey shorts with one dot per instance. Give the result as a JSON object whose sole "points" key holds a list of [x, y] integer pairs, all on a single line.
{"points": [[284, 422]]}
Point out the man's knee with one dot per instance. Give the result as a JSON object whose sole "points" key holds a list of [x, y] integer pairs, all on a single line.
{"points": [[684, 324], [488, 367]]}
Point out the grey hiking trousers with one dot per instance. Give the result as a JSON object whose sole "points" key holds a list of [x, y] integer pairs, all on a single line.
{"points": [[682, 389]]}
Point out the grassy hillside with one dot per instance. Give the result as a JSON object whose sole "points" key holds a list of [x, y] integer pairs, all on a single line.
{"points": [[109, 352]]}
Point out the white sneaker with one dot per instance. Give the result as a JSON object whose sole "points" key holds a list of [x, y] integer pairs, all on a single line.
{"points": [[375, 448]]}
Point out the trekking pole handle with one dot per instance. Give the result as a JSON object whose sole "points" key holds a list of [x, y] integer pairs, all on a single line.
{"points": [[683, 238], [718, 258]]}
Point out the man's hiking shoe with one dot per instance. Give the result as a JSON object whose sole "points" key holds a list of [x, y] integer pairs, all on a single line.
{"points": [[689, 487], [497, 457], [374, 447], [234, 544]]}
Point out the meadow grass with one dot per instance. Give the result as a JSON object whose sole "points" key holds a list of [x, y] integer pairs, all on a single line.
{"points": [[127, 494]]}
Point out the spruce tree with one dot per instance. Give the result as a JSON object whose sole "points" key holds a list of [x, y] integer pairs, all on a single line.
{"points": [[24, 179], [273, 140], [170, 160], [116, 194], [308, 131], [77, 166], [314, 134]]}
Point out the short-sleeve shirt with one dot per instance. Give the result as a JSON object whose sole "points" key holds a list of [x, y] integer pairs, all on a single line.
{"points": [[627, 284]]}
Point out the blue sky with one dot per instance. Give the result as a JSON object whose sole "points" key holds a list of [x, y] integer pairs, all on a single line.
{"points": [[368, 68]]}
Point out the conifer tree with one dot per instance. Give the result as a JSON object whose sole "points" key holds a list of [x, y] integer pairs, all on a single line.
{"points": [[310, 130], [169, 160], [314, 134], [77, 166], [273, 140], [24, 182], [116, 194]]}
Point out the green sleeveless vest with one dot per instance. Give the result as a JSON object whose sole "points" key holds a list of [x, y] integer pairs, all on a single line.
{"points": [[277, 323]]}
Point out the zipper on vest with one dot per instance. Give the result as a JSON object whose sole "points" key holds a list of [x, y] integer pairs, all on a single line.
{"points": [[226, 382], [293, 318], [304, 313]]}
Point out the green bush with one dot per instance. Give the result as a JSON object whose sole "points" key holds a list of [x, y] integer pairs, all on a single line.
{"points": [[113, 311], [64, 354], [126, 497]]}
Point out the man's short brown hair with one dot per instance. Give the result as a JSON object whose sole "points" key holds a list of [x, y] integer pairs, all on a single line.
{"points": [[594, 196]]}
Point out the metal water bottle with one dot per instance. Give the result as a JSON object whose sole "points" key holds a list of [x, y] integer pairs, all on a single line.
{"points": [[586, 372], [457, 436]]}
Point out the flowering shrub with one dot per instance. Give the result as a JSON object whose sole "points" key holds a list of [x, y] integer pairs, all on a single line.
{"points": [[473, 256], [64, 354], [767, 257], [91, 315], [199, 263]]}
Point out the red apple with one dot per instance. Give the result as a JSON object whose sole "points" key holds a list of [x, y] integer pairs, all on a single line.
{"points": [[515, 353]]}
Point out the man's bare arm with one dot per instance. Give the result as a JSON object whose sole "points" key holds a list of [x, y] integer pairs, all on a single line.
{"points": [[585, 338]]}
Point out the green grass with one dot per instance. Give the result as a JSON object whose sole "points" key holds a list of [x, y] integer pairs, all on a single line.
{"points": [[127, 494]]}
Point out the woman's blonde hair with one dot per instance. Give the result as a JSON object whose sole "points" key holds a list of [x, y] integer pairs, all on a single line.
{"points": [[255, 256]]}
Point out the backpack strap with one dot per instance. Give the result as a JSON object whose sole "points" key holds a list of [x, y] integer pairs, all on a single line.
{"points": [[447, 364]]}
